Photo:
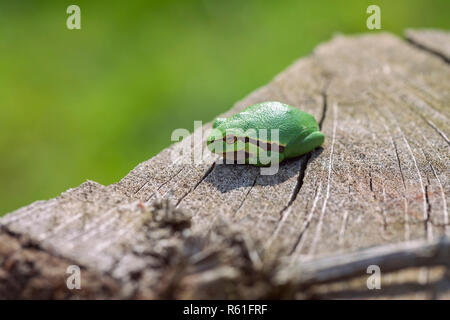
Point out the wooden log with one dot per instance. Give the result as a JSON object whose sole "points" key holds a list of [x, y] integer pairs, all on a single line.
{"points": [[227, 231], [389, 257]]}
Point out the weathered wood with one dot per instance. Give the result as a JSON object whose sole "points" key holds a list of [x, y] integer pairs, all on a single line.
{"points": [[380, 178], [29, 272], [434, 41], [389, 258]]}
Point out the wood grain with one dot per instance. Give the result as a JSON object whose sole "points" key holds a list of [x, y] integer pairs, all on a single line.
{"points": [[381, 178]]}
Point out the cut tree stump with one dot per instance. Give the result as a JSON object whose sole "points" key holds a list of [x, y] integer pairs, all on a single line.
{"points": [[376, 193]]}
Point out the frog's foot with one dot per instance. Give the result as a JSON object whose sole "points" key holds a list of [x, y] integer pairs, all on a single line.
{"points": [[305, 145], [314, 140]]}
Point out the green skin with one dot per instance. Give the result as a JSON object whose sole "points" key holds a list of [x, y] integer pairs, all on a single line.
{"points": [[241, 134]]}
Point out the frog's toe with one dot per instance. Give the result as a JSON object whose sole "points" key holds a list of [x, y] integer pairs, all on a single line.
{"points": [[315, 139]]}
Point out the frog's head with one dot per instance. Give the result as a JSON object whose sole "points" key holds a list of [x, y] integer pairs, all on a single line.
{"points": [[233, 139], [218, 132], [227, 136]]}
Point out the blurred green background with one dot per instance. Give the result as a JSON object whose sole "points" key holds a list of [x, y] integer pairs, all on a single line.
{"points": [[93, 103]]}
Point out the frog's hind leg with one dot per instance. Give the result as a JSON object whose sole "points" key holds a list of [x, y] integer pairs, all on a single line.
{"points": [[304, 145]]}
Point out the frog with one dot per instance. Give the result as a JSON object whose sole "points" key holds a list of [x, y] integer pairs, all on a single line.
{"points": [[265, 133]]}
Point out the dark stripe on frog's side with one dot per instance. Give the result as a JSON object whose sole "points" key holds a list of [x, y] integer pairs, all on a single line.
{"points": [[263, 145]]}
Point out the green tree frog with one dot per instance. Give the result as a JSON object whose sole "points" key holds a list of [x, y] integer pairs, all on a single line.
{"points": [[265, 133]]}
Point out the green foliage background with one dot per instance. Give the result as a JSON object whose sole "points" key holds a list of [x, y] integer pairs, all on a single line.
{"points": [[95, 102]]}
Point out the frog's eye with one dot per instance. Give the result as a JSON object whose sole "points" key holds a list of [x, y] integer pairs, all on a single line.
{"points": [[230, 139]]}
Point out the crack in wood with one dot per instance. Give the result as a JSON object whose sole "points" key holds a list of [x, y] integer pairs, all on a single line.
{"points": [[306, 158], [417, 171], [324, 95], [427, 222], [431, 124], [207, 173], [327, 192], [444, 201], [245, 197], [163, 184], [383, 211], [390, 258], [425, 97], [405, 201], [301, 175], [421, 46], [439, 131], [426, 204], [297, 244]]}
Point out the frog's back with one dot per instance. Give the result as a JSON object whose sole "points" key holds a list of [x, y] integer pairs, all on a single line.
{"points": [[276, 115]]}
